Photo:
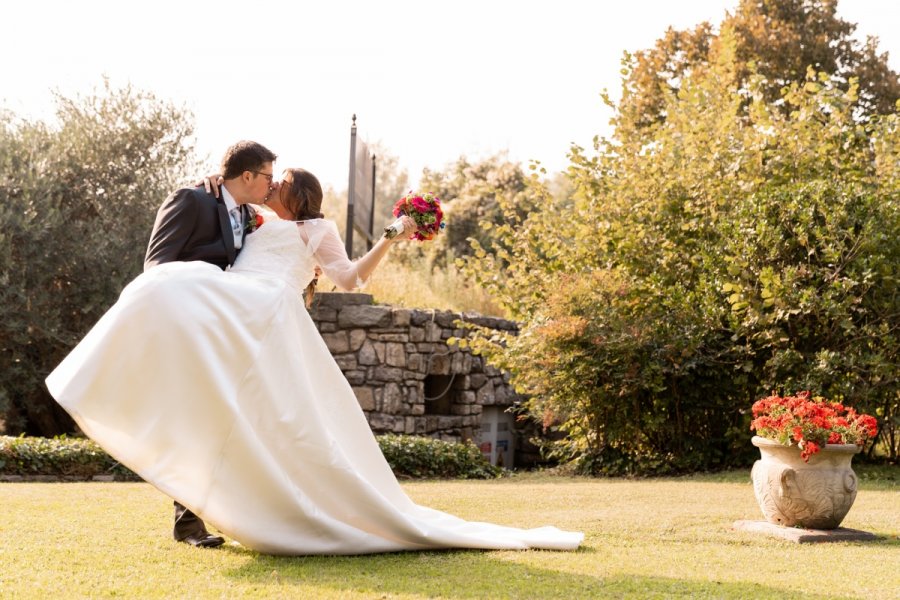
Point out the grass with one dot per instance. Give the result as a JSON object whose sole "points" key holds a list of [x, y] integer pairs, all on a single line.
{"points": [[415, 285], [644, 539]]}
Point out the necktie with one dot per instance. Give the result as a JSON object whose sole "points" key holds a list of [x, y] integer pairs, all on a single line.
{"points": [[236, 225]]}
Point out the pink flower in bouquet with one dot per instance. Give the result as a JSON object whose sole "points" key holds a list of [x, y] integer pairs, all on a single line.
{"points": [[425, 210]]}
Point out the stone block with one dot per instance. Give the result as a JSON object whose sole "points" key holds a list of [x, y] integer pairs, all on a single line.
{"points": [[357, 339], [418, 318], [387, 374], [340, 299], [355, 377], [379, 351], [346, 362], [323, 314], [392, 400], [416, 334], [447, 422], [804, 536], [485, 394], [415, 362], [438, 364], [367, 355], [337, 342], [460, 409], [395, 355], [381, 423], [477, 365], [417, 409], [433, 332], [401, 317], [446, 319], [477, 380], [467, 398], [456, 362], [365, 397], [462, 382], [425, 347], [364, 316], [392, 337], [325, 327]]}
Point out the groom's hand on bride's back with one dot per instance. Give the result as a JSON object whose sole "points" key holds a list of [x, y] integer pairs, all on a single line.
{"points": [[211, 183]]}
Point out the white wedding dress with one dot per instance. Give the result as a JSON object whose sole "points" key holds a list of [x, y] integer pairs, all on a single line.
{"points": [[217, 388]]}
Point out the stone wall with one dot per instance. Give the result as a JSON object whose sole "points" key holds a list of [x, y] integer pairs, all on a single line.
{"points": [[405, 376]]}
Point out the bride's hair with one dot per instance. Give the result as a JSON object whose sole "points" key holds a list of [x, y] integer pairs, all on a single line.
{"points": [[301, 194]]}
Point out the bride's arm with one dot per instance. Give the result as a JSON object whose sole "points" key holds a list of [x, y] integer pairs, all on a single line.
{"points": [[347, 274]]}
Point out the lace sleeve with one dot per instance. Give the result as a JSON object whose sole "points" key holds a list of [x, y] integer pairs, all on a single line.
{"points": [[325, 242]]}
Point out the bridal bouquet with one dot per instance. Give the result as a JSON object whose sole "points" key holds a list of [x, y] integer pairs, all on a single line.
{"points": [[810, 422], [424, 209]]}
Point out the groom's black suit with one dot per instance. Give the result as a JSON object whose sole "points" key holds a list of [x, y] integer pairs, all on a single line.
{"points": [[193, 225]]}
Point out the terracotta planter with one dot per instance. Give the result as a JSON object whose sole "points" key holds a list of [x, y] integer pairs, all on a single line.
{"points": [[814, 495]]}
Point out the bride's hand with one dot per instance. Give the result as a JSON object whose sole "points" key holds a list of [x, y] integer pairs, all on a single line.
{"points": [[212, 183], [409, 228]]}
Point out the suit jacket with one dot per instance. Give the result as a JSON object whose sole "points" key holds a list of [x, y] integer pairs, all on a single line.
{"points": [[193, 225]]}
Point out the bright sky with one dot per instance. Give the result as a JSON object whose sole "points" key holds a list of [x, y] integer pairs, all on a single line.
{"points": [[430, 80]]}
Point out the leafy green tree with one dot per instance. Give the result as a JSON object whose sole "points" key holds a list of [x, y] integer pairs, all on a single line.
{"points": [[737, 246], [776, 39], [470, 192], [77, 202]]}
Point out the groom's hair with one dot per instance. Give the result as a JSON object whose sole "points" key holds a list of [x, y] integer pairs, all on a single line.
{"points": [[245, 156]]}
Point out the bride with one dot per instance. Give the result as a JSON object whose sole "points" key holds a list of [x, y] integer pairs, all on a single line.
{"points": [[218, 389]]}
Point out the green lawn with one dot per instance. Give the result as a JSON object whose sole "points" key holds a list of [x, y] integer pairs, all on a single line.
{"points": [[645, 538]]}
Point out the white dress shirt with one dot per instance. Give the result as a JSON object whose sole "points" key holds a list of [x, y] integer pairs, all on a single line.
{"points": [[230, 205]]}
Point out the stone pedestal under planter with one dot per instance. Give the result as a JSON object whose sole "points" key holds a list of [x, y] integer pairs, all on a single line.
{"points": [[813, 495]]}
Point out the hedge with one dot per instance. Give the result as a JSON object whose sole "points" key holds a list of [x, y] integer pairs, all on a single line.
{"points": [[79, 458]]}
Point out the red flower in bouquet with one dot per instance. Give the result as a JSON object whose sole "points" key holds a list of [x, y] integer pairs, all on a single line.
{"points": [[810, 422], [425, 210]]}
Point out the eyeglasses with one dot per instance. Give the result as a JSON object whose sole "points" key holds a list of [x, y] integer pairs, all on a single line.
{"points": [[268, 176]]}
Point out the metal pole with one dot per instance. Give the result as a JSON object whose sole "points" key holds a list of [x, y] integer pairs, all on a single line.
{"points": [[372, 207], [351, 190]]}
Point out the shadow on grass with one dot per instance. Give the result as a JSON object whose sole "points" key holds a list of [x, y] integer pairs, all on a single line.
{"points": [[467, 574]]}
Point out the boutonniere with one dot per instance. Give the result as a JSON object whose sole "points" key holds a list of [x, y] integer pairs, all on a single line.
{"points": [[254, 222]]}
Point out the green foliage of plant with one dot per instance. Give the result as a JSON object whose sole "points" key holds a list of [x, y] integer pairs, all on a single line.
{"points": [[778, 39], [77, 202], [419, 457], [59, 457], [408, 456], [739, 246]]}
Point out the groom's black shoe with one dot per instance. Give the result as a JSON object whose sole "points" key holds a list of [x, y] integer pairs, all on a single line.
{"points": [[191, 530], [204, 540]]}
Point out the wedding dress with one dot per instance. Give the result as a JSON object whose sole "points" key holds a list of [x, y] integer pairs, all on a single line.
{"points": [[217, 388]]}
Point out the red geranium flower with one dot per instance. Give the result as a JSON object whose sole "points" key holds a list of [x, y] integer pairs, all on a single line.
{"points": [[810, 422]]}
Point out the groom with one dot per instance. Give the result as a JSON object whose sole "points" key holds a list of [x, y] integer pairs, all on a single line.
{"points": [[195, 225]]}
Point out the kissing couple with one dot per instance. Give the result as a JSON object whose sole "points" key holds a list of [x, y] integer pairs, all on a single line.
{"points": [[209, 379]]}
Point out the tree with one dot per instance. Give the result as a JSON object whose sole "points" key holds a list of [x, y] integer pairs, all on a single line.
{"points": [[776, 39], [77, 202], [736, 246]]}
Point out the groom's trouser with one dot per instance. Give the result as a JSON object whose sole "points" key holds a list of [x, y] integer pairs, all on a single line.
{"points": [[187, 523]]}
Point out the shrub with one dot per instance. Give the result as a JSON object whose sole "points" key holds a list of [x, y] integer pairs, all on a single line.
{"points": [[739, 247], [418, 457], [59, 457], [81, 458]]}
